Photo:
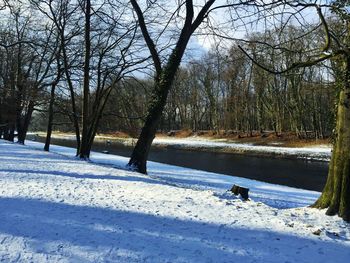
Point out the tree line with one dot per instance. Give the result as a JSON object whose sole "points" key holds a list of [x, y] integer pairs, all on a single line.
{"points": [[79, 62], [224, 92]]}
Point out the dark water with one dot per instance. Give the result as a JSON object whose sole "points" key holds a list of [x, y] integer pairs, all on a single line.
{"points": [[291, 172]]}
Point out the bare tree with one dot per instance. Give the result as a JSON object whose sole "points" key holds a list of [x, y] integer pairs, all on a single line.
{"points": [[62, 13], [165, 73], [110, 52], [83, 151], [116, 52], [29, 53], [336, 194]]}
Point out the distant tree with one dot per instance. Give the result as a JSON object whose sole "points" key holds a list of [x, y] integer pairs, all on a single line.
{"points": [[27, 53]]}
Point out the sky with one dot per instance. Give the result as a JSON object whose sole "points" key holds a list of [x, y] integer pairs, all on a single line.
{"points": [[233, 24]]}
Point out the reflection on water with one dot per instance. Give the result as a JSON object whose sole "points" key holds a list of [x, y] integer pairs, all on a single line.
{"points": [[291, 172]]}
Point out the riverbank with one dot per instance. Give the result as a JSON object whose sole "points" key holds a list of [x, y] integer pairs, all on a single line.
{"points": [[294, 172], [316, 152], [56, 208]]}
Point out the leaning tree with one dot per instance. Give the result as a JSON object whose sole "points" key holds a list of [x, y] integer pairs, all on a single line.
{"points": [[335, 51], [165, 72], [177, 21], [336, 193]]}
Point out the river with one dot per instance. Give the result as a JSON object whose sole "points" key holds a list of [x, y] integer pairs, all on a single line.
{"points": [[298, 173]]}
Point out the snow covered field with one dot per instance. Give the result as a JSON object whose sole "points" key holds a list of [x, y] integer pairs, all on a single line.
{"points": [[55, 208]]}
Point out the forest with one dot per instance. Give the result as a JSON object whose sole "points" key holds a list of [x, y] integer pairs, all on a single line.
{"points": [[220, 90], [225, 93], [98, 67]]}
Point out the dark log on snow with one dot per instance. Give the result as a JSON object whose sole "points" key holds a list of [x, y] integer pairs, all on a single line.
{"points": [[238, 190]]}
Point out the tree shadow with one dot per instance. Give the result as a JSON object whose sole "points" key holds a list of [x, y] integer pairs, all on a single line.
{"points": [[21, 154], [128, 177], [117, 235]]}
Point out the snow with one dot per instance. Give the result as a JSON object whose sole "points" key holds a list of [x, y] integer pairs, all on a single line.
{"points": [[56, 208], [321, 152]]}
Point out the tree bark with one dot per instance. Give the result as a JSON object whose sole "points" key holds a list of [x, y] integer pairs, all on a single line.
{"points": [[163, 84], [84, 151], [336, 194], [50, 120], [66, 66], [23, 123], [95, 120]]}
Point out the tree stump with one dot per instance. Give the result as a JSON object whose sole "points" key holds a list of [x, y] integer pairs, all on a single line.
{"points": [[239, 190]]}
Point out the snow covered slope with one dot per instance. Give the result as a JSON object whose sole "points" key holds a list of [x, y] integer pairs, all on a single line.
{"points": [[55, 208]]}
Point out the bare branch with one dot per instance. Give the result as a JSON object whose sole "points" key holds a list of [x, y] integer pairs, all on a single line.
{"points": [[296, 65], [150, 44]]}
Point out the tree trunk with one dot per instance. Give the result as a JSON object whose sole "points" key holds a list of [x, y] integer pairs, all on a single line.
{"points": [[163, 84], [23, 123], [140, 153], [94, 124], [50, 120], [336, 194], [84, 151], [74, 114], [11, 132]]}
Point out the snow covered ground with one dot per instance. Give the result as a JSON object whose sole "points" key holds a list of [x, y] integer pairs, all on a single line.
{"points": [[55, 208]]}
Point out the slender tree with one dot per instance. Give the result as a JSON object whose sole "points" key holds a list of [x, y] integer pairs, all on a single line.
{"points": [[51, 103], [83, 151]]}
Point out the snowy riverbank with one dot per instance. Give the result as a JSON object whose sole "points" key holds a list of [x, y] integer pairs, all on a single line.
{"points": [[55, 208], [320, 153], [317, 152]]}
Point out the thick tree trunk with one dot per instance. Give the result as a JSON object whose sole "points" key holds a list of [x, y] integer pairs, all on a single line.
{"points": [[163, 84], [96, 118], [11, 132], [336, 194], [23, 123], [6, 132], [92, 131], [140, 153]]}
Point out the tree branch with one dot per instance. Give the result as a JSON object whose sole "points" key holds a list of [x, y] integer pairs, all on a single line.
{"points": [[149, 42], [296, 65], [201, 15], [17, 43]]}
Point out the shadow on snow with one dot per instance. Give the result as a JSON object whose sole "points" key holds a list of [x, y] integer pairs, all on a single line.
{"points": [[148, 236]]}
